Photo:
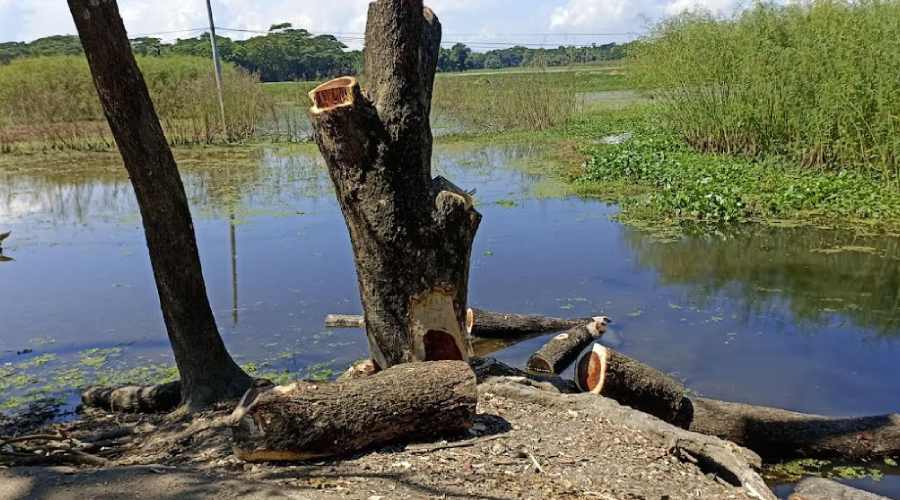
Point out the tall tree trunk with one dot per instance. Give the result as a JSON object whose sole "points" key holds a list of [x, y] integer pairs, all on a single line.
{"points": [[207, 371], [412, 235]]}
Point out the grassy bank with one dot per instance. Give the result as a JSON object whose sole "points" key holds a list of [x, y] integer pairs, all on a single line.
{"points": [[659, 179], [815, 82], [49, 103]]}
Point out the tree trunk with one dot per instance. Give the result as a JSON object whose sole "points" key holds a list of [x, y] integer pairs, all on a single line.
{"points": [[411, 234], [774, 433], [481, 323], [207, 371], [559, 352], [307, 420]]}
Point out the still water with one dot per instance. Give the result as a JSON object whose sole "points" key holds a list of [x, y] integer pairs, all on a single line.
{"points": [[798, 318]]}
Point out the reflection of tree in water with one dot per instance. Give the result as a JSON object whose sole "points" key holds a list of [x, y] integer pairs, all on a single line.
{"points": [[218, 184], [815, 273]]}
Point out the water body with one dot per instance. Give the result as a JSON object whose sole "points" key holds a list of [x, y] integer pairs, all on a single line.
{"points": [[799, 318]]}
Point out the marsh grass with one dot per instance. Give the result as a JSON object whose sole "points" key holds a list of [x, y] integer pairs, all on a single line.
{"points": [[49, 103], [817, 82], [659, 179], [518, 101]]}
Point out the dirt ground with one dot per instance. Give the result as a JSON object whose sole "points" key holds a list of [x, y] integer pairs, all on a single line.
{"points": [[518, 448]]}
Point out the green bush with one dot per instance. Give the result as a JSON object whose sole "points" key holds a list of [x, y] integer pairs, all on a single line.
{"points": [[50, 102], [815, 81]]}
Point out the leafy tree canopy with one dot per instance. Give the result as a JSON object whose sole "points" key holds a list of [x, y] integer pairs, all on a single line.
{"points": [[286, 53]]}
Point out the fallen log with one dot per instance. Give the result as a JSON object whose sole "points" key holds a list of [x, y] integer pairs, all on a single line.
{"points": [[774, 433], [148, 399], [561, 350], [489, 324], [306, 420], [486, 368], [345, 321], [632, 383], [489, 331], [777, 433], [482, 323]]}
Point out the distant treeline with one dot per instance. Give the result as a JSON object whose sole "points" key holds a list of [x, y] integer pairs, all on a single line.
{"points": [[287, 54]]}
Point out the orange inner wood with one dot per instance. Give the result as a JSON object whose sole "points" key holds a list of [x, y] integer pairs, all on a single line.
{"points": [[333, 93], [594, 372]]}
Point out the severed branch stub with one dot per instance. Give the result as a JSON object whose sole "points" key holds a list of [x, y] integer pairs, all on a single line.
{"points": [[411, 234], [561, 350]]}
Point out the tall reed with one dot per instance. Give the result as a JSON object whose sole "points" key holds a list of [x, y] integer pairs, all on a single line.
{"points": [[531, 101], [50, 103], [816, 81]]}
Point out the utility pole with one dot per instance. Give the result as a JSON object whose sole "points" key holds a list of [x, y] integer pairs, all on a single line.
{"points": [[216, 65]]}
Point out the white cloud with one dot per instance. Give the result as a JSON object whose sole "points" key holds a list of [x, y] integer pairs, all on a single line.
{"points": [[490, 19], [605, 15], [717, 7]]}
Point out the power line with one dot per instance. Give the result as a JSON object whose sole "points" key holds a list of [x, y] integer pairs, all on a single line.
{"points": [[169, 32]]}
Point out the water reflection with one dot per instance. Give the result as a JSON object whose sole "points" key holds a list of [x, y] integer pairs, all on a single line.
{"points": [[821, 276], [800, 318]]}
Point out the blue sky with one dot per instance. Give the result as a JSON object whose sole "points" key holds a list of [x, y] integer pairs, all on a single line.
{"points": [[481, 23]]}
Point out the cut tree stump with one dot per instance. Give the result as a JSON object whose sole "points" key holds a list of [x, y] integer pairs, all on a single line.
{"points": [[307, 420], [411, 234], [561, 350], [774, 433]]}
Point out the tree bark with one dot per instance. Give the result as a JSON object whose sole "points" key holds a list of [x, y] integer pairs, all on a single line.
{"points": [[207, 371], [559, 352], [777, 434], [411, 234], [774, 433], [144, 399], [637, 385], [490, 324], [308, 420]]}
